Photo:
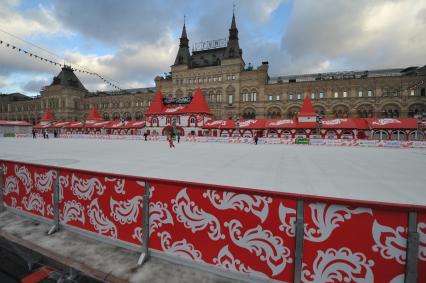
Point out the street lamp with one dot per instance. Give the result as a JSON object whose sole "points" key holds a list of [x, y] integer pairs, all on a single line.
{"points": [[419, 125], [237, 124], [319, 123]]}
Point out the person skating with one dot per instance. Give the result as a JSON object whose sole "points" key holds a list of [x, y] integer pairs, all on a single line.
{"points": [[171, 141], [34, 134], [145, 136], [178, 138], [256, 139]]}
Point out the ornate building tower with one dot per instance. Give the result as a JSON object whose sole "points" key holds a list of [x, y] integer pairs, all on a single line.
{"points": [[233, 49], [183, 57]]}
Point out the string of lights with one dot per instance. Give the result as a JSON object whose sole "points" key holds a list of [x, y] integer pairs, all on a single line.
{"points": [[43, 59]]}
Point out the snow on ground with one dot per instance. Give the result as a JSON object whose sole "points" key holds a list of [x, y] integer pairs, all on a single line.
{"points": [[375, 174]]}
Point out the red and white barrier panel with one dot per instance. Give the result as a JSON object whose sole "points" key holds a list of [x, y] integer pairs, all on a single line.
{"points": [[29, 188], [246, 231], [236, 231], [102, 204]]}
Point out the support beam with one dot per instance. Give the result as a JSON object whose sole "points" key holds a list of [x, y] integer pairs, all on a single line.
{"points": [[299, 235], [145, 227], [412, 249], [55, 227]]}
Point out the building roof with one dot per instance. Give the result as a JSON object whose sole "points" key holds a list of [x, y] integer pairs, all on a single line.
{"points": [[198, 105], [394, 72], [47, 115], [307, 108], [67, 78], [94, 115]]}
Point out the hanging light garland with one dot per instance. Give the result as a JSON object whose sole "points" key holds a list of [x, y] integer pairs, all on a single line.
{"points": [[31, 54]]}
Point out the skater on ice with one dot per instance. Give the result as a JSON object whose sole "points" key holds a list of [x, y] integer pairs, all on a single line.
{"points": [[171, 141]]}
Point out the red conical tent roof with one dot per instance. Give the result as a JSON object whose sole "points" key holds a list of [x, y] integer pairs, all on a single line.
{"points": [[198, 103], [94, 115], [157, 105], [47, 116], [307, 108]]}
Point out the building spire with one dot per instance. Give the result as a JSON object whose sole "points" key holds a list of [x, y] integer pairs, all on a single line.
{"points": [[183, 55], [233, 49]]}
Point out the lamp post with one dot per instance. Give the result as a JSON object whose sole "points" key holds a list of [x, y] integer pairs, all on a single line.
{"points": [[419, 126], [237, 124], [319, 123]]}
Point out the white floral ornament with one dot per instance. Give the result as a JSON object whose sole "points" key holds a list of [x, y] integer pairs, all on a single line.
{"points": [[118, 186], [328, 217], [225, 259], [44, 182], [159, 215], [101, 223], [421, 229], [73, 211], [258, 205], [288, 220], [339, 266], [126, 212], [262, 243], [179, 248], [84, 188], [25, 176], [34, 202], [11, 186], [194, 217], [389, 242]]}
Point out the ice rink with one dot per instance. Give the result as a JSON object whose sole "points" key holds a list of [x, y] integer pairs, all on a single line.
{"points": [[375, 174]]}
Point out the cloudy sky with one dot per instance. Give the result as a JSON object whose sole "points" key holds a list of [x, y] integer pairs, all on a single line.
{"points": [[132, 41]]}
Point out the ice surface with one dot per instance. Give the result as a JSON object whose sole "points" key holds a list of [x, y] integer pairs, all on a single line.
{"points": [[374, 174]]}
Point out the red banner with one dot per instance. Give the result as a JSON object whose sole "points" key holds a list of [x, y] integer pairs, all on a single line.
{"points": [[353, 244], [29, 188], [236, 231], [421, 229], [101, 204]]}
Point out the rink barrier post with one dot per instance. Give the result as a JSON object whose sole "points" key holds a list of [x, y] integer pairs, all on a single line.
{"points": [[55, 228], [299, 234], [412, 249], [145, 226], [2, 188]]}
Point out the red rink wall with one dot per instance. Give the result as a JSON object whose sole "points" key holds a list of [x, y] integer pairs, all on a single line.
{"points": [[245, 231]]}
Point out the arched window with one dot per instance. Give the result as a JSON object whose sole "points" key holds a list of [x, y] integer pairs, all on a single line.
{"points": [[249, 113], [380, 135], [138, 116], [116, 116], [417, 135], [273, 113], [390, 111], [398, 136], [244, 96], [341, 111]]}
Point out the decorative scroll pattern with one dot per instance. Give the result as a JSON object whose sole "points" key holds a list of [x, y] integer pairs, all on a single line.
{"points": [[353, 244], [238, 231], [235, 231], [107, 206], [341, 265], [421, 263], [29, 188]]}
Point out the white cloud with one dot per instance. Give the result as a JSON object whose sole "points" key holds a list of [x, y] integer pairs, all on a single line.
{"points": [[133, 65], [356, 34], [28, 23]]}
